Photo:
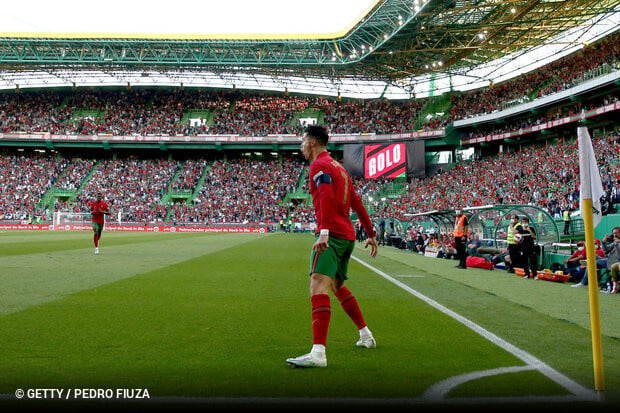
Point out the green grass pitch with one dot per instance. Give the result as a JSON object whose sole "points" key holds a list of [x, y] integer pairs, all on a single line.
{"points": [[211, 318]]}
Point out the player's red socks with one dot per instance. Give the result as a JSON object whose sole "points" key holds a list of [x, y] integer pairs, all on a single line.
{"points": [[321, 314], [350, 306], [96, 239]]}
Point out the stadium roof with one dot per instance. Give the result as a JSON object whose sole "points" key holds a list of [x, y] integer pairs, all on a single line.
{"points": [[390, 48], [183, 19]]}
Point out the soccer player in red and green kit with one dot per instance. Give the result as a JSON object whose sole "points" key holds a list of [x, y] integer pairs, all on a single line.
{"points": [[99, 209], [333, 196]]}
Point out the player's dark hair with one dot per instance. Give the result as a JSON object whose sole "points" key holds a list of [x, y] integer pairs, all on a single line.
{"points": [[319, 133]]}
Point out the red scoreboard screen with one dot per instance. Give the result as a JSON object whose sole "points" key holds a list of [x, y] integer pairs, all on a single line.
{"points": [[385, 161]]}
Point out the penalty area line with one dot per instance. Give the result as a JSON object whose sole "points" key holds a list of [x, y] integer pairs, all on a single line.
{"points": [[534, 363]]}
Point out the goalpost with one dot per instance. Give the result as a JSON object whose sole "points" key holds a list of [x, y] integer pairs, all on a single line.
{"points": [[70, 218], [77, 218]]}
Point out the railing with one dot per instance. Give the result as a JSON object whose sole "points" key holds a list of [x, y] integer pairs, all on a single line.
{"points": [[181, 193]]}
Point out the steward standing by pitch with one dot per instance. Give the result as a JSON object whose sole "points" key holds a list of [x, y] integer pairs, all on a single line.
{"points": [[461, 228], [333, 196], [513, 243], [528, 248]]}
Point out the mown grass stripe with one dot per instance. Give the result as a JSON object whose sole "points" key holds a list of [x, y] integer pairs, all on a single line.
{"points": [[34, 278]]}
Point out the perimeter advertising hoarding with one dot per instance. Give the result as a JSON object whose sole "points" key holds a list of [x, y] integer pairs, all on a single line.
{"points": [[134, 228]]}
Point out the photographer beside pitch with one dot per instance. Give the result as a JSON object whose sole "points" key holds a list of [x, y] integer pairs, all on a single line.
{"points": [[333, 196], [99, 209]]}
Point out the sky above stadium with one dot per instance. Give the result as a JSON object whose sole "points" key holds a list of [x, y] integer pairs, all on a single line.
{"points": [[181, 18]]}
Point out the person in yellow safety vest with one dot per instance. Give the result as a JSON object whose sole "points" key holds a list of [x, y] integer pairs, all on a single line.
{"points": [[566, 218], [541, 223], [514, 249], [461, 227]]}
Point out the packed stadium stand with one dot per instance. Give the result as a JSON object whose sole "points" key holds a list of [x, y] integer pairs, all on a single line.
{"points": [[241, 187], [181, 145]]}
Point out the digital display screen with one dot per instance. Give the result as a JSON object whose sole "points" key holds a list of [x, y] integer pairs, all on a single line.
{"points": [[385, 161]]}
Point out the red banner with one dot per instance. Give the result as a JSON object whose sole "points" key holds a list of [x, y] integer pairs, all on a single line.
{"points": [[135, 228], [544, 125]]}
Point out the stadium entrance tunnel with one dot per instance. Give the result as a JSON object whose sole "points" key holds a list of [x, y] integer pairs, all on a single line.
{"points": [[490, 223]]}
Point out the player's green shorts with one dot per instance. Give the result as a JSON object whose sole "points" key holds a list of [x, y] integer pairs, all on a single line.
{"points": [[97, 226], [334, 261]]}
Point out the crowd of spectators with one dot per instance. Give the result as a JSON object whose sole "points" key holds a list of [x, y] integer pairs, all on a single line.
{"points": [[234, 191], [74, 174], [132, 187], [23, 182], [379, 116], [253, 191], [545, 176], [146, 111], [571, 109], [188, 177], [554, 77], [242, 191], [259, 116]]}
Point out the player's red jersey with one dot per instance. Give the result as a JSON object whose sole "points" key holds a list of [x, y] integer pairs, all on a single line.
{"points": [[98, 208], [334, 196]]}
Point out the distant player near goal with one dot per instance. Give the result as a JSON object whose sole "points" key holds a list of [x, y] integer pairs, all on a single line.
{"points": [[99, 209]]}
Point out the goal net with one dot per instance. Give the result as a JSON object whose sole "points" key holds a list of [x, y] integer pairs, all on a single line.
{"points": [[69, 218]]}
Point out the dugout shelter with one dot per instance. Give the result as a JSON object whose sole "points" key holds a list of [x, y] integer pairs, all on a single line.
{"points": [[490, 222]]}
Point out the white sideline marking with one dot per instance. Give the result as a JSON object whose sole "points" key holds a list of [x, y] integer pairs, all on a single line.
{"points": [[532, 362], [432, 396]]}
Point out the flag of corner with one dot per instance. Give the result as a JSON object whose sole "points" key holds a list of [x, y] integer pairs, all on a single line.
{"points": [[591, 186]]}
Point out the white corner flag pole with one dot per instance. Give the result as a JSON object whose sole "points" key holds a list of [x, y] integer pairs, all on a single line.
{"points": [[591, 190]]}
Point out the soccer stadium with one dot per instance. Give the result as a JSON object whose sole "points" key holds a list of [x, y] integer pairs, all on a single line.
{"points": [[188, 119]]}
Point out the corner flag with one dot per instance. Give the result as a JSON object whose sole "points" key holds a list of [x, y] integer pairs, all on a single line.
{"points": [[591, 186], [591, 190]]}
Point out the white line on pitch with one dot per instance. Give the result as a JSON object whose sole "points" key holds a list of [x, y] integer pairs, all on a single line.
{"points": [[569, 384]]}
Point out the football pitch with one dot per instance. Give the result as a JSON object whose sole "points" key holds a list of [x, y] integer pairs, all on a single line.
{"points": [[209, 319]]}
